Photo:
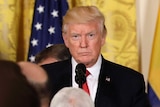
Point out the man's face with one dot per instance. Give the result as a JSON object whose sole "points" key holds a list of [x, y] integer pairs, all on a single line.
{"points": [[84, 42]]}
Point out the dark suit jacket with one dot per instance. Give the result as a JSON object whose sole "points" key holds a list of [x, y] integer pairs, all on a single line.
{"points": [[126, 87]]}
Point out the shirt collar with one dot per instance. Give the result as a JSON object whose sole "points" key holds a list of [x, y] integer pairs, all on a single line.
{"points": [[94, 70]]}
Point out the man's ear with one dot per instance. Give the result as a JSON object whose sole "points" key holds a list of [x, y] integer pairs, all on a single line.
{"points": [[104, 36], [103, 40], [65, 39]]}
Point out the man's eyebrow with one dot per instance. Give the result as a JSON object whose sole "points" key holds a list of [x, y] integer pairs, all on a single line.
{"points": [[91, 32], [75, 33]]}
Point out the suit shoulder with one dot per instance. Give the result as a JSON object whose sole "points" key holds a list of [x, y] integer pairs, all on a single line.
{"points": [[120, 69], [123, 76], [56, 65]]}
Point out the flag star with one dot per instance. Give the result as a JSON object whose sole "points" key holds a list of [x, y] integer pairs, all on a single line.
{"points": [[38, 26], [40, 9], [48, 45], [34, 42], [32, 58], [54, 13], [41, 27], [51, 30]]}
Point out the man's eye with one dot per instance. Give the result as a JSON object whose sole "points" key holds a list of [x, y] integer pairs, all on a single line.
{"points": [[75, 37], [91, 35]]}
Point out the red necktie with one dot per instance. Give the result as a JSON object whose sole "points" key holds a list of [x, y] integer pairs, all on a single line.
{"points": [[85, 86]]}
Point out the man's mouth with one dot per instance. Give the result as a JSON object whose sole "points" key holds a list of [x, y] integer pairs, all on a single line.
{"points": [[84, 53]]}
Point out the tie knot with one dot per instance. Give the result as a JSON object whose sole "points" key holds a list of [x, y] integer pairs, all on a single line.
{"points": [[87, 73]]}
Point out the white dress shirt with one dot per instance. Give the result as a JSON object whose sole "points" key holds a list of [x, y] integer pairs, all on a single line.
{"points": [[92, 79]]}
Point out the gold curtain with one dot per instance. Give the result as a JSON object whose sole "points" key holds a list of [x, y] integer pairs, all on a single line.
{"points": [[121, 42], [15, 28]]}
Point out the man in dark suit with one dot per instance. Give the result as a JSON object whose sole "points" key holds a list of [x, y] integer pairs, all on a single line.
{"points": [[110, 84]]}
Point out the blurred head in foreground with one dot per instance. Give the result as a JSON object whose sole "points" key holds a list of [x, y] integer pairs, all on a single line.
{"points": [[38, 78], [71, 97], [15, 90]]}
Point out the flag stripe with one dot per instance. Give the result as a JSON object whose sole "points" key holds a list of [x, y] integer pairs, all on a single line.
{"points": [[155, 102]]}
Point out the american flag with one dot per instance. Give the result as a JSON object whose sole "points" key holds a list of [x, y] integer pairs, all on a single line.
{"points": [[46, 25]]}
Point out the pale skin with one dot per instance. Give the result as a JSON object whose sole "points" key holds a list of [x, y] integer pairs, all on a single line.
{"points": [[84, 42]]}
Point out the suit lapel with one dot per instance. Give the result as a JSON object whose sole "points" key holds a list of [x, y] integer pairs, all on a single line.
{"points": [[67, 74], [105, 95]]}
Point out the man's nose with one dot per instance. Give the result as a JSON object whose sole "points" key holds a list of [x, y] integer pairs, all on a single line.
{"points": [[83, 42]]}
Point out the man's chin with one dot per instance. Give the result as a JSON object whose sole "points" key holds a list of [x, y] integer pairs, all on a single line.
{"points": [[86, 62]]}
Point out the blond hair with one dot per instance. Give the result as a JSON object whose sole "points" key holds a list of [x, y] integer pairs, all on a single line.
{"points": [[84, 14]]}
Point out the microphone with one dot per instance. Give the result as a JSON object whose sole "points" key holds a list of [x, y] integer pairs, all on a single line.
{"points": [[80, 77]]}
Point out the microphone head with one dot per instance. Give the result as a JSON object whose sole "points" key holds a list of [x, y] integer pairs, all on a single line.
{"points": [[80, 70], [81, 67]]}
